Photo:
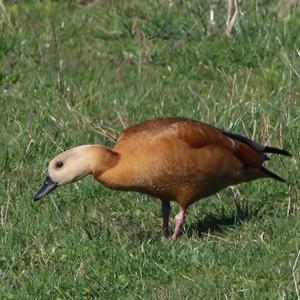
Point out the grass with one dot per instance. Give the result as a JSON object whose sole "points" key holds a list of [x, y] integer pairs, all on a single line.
{"points": [[72, 74]]}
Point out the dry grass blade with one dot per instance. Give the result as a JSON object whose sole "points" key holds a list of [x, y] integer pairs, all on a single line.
{"points": [[232, 13]]}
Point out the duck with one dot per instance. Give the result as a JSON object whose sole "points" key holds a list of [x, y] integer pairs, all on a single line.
{"points": [[173, 159]]}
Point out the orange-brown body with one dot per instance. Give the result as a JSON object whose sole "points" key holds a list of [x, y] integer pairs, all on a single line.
{"points": [[179, 159], [172, 159]]}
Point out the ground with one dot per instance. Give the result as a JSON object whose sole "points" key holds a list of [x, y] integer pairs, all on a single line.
{"points": [[73, 74]]}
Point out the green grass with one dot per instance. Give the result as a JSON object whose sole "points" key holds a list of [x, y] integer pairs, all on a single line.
{"points": [[73, 74]]}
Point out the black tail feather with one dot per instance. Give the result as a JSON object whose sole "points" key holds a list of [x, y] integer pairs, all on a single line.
{"points": [[276, 151], [256, 146], [272, 175]]}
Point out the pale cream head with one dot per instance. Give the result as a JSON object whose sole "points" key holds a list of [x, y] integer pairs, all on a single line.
{"points": [[76, 163], [71, 165]]}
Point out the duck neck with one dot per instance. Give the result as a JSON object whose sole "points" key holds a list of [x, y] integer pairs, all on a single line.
{"points": [[101, 159]]}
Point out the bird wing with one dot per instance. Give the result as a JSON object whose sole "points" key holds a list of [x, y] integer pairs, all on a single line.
{"points": [[199, 135], [196, 135]]}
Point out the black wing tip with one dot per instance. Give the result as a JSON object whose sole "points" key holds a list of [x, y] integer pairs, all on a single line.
{"points": [[256, 146], [272, 175], [277, 151]]}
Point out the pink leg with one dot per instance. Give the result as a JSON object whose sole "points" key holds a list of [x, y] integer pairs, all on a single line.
{"points": [[179, 221], [165, 207]]}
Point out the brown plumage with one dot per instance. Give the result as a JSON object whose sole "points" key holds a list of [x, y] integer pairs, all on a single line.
{"points": [[173, 159]]}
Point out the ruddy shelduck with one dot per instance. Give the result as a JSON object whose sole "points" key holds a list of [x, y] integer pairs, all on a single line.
{"points": [[173, 159]]}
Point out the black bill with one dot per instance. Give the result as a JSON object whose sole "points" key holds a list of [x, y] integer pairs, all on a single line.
{"points": [[48, 186]]}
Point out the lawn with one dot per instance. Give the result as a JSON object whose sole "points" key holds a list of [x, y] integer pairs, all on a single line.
{"points": [[73, 74]]}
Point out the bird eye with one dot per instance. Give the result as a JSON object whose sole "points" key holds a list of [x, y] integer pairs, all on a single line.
{"points": [[59, 164]]}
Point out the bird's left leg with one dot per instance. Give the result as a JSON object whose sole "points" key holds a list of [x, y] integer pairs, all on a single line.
{"points": [[179, 221], [165, 208]]}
